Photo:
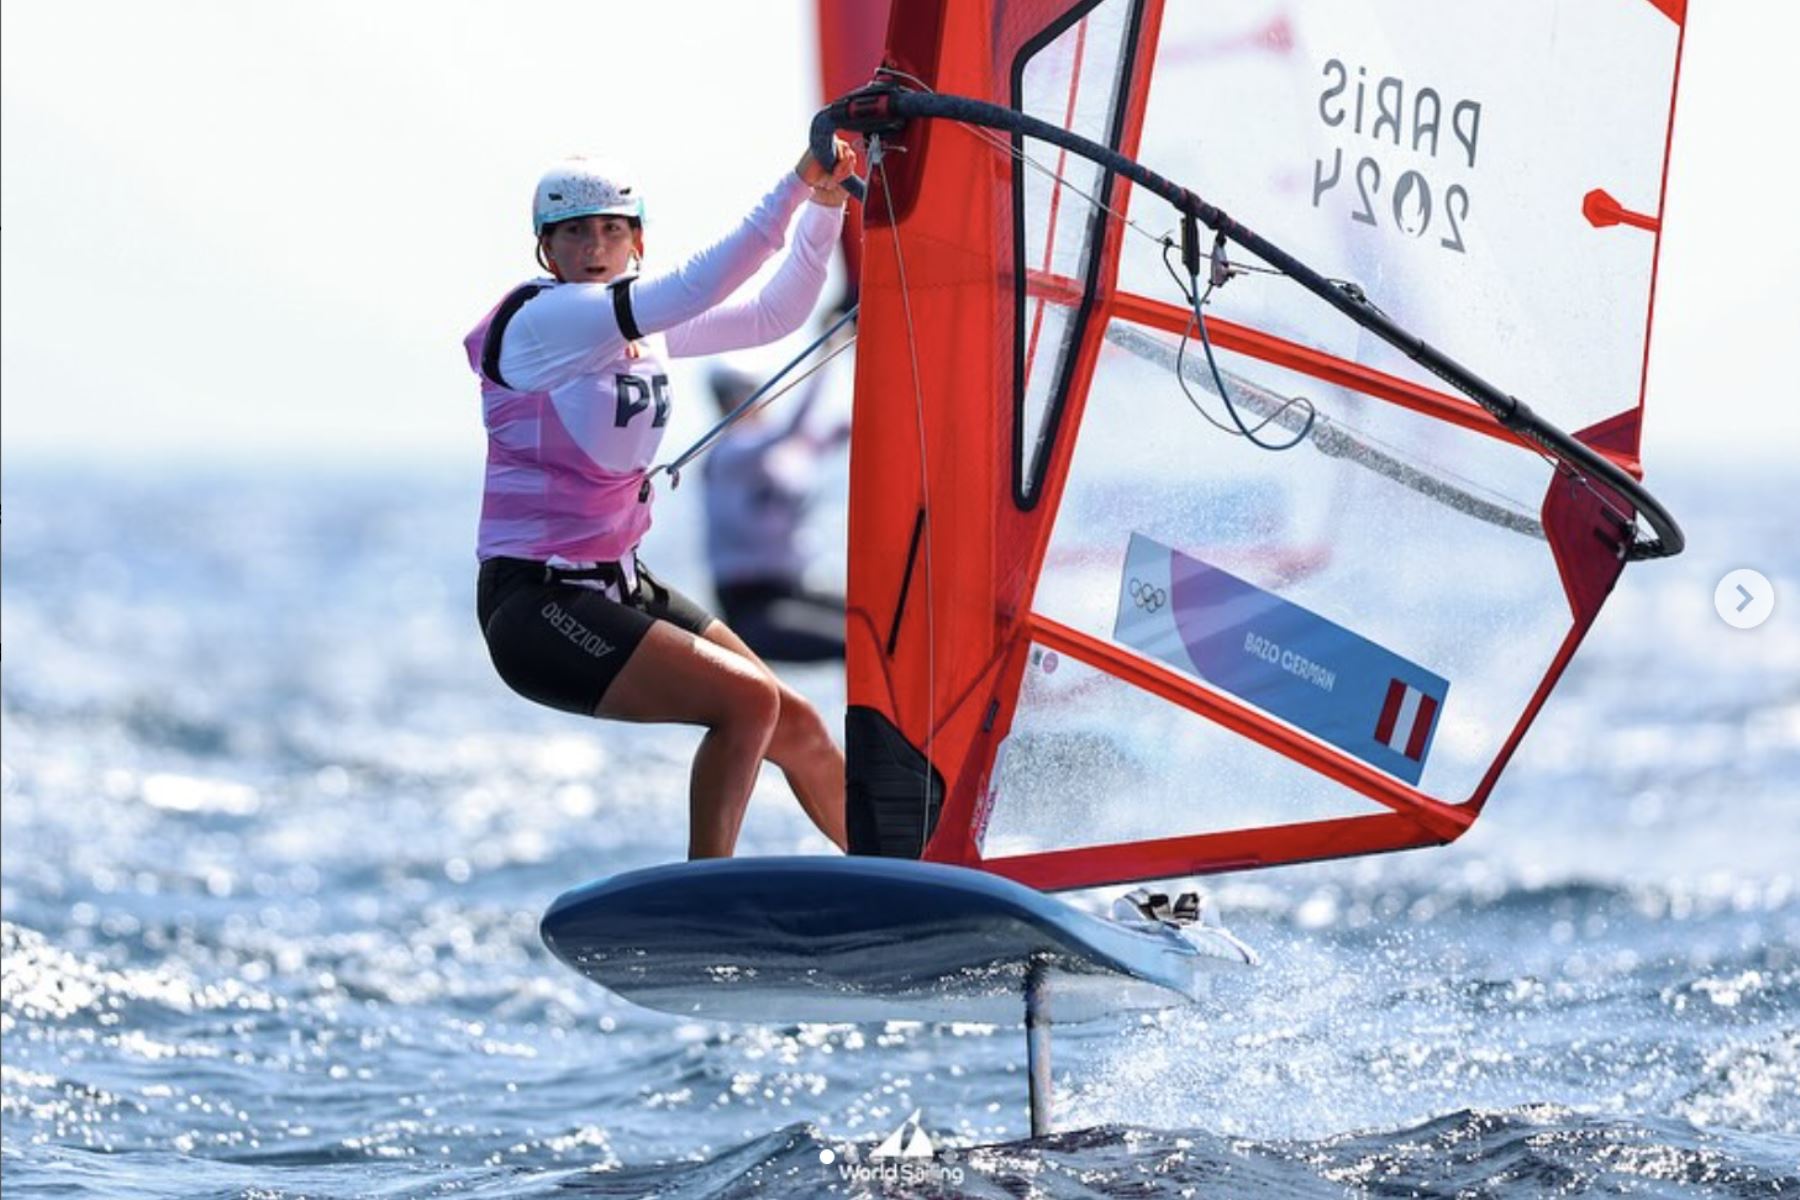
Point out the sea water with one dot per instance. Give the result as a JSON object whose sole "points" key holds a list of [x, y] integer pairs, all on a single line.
{"points": [[276, 842]]}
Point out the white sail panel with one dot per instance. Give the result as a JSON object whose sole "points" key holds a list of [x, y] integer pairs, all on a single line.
{"points": [[1439, 156], [1091, 760], [1420, 537]]}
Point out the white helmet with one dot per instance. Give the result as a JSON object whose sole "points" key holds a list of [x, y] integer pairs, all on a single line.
{"points": [[583, 187]]}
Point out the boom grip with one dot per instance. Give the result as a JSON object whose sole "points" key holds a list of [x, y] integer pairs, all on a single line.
{"points": [[821, 142]]}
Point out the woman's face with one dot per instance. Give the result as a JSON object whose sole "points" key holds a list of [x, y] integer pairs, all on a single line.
{"points": [[592, 249]]}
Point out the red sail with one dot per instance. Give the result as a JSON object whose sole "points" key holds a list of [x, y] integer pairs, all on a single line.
{"points": [[1051, 670]]}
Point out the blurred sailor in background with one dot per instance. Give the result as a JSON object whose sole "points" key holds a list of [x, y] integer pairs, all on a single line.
{"points": [[760, 482]]}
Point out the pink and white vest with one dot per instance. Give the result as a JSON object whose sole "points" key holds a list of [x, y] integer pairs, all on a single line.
{"points": [[566, 474]]}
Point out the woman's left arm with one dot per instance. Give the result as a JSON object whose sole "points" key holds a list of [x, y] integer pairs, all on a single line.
{"points": [[782, 305]]}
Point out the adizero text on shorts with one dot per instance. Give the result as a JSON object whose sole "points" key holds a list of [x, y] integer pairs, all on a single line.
{"points": [[562, 644]]}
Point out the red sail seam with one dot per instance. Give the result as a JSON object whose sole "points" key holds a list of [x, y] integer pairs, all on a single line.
{"points": [[1210, 853], [1662, 197], [1564, 653]]}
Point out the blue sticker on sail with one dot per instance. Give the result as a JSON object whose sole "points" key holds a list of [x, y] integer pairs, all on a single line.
{"points": [[1286, 660]]}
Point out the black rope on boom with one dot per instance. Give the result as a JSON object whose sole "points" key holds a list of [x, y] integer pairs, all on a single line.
{"points": [[885, 108]]}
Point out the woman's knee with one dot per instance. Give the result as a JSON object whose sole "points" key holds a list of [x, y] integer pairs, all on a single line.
{"points": [[801, 729], [750, 700]]}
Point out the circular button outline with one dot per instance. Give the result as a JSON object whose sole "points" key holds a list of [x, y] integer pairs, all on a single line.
{"points": [[1729, 603]]}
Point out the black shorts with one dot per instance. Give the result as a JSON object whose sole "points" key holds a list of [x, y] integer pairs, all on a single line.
{"points": [[561, 644]]}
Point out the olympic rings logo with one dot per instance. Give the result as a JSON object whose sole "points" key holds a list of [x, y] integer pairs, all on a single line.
{"points": [[1147, 596]]}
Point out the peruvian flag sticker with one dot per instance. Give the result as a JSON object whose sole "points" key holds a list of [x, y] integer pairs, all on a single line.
{"points": [[1406, 719], [1279, 657]]}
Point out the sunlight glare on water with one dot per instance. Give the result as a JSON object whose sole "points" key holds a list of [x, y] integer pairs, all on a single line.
{"points": [[276, 844]]}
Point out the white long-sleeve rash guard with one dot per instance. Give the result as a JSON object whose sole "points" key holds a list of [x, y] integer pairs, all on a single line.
{"points": [[571, 329]]}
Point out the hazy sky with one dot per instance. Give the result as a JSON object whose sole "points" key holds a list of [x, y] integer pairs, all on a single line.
{"points": [[269, 225], [253, 227]]}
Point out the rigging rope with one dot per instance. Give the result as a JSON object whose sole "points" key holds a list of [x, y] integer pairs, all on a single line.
{"points": [[1197, 301], [757, 399]]}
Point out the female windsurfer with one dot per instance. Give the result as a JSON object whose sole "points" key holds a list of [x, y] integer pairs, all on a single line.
{"points": [[575, 399]]}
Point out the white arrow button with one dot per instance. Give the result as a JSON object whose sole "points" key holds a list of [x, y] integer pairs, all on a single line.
{"points": [[1744, 598]]}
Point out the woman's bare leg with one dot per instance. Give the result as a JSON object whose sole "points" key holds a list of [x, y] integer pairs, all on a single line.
{"points": [[801, 746], [675, 676]]}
